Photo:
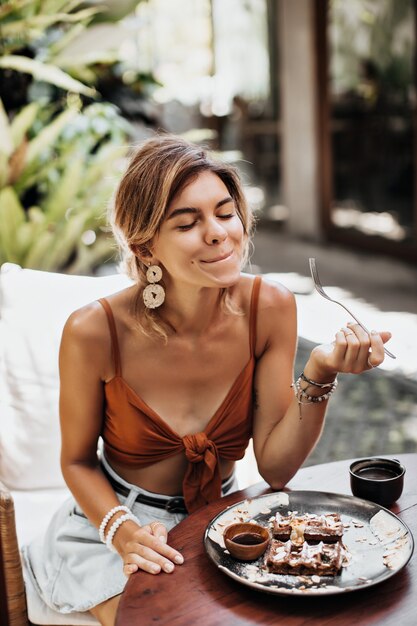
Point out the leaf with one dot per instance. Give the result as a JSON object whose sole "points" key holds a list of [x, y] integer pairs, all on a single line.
{"points": [[12, 216], [38, 23], [23, 121], [48, 135], [104, 249], [47, 73], [38, 253], [10, 7], [6, 145], [65, 39], [59, 201], [17, 162], [65, 241], [4, 169]]}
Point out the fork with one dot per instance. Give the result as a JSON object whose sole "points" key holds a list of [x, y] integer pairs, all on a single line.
{"points": [[319, 288]]}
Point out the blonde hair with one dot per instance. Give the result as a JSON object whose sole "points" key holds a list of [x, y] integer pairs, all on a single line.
{"points": [[159, 169]]}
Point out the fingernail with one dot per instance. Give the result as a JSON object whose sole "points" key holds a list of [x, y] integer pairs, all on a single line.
{"points": [[156, 568], [374, 332], [162, 538], [179, 559], [168, 567]]}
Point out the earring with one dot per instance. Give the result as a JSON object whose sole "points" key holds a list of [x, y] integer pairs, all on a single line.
{"points": [[153, 294]]}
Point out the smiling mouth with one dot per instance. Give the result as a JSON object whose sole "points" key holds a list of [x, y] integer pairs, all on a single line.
{"points": [[222, 257]]}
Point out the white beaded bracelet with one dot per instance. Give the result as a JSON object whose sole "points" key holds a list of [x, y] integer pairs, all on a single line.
{"points": [[108, 517], [115, 526]]}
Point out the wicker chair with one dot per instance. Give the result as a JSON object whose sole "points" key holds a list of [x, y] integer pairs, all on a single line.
{"points": [[13, 611]]}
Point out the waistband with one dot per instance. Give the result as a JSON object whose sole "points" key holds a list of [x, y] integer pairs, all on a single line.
{"points": [[172, 504]]}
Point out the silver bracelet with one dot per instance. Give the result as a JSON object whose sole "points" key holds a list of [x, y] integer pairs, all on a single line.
{"points": [[107, 518], [114, 527], [300, 393], [315, 384]]}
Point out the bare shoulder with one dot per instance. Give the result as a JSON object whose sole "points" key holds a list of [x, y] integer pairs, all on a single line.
{"points": [[87, 324], [274, 295], [277, 317]]}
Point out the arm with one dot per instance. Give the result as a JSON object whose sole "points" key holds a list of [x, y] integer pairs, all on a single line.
{"points": [[85, 355], [284, 431]]}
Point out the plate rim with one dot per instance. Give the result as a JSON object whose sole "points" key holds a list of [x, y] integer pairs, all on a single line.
{"points": [[296, 591]]}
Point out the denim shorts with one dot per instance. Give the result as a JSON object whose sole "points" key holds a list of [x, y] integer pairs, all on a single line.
{"points": [[71, 569]]}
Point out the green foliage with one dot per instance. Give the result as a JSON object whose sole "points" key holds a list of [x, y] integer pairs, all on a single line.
{"points": [[67, 164], [60, 155]]}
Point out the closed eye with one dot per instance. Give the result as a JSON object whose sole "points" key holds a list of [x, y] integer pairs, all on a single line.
{"points": [[187, 226]]}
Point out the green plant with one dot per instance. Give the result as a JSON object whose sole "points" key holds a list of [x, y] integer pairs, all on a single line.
{"points": [[58, 173]]}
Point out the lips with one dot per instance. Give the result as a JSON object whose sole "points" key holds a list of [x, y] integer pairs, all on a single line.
{"points": [[221, 257]]}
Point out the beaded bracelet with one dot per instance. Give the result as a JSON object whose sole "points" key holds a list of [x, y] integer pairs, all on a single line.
{"points": [[300, 393], [107, 518], [313, 382], [114, 527]]}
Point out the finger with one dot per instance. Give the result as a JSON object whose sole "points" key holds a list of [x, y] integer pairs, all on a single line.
{"points": [[155, 557], [364, 344], [130, 568], [158, 547], [376, 355], [353, 347], [134, 560], [159, 531], [340, 346], [385, 336]]}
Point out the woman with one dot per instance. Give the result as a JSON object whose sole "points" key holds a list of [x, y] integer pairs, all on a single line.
{"points": [[176, 373]]}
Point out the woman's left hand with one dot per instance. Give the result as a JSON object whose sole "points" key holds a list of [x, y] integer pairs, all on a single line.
{"points": [[353, 351]]}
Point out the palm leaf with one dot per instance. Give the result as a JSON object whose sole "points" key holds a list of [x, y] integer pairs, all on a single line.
{"points": [[6, 145], [48, 135], [60, 200], [23, 121], [12, 216], [47, 73]]}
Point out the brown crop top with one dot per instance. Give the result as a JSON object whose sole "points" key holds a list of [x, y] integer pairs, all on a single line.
{"points": [[137, 436]]}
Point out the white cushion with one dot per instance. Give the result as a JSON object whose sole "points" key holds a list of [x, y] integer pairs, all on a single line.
{"points": [[34, 306]]}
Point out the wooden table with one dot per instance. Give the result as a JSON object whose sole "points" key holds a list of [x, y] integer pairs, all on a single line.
{"points": [[197, 593]]}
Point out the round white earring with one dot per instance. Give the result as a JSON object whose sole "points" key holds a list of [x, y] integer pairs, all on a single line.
{"points": [[153, 294]]}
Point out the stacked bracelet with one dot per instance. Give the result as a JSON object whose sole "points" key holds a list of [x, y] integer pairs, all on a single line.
{"points": [[304, 398], [313, 382], [301, 393], [116, 524], [106, 519]]}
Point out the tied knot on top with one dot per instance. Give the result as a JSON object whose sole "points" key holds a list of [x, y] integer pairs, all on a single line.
{"points": [[202, 482], [196, 447]]}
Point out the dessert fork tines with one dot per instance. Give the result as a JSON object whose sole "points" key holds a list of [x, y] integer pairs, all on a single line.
{"points": [[319, 288]]}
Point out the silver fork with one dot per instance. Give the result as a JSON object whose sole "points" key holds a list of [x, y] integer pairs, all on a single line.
{"points": [[319, 288]]}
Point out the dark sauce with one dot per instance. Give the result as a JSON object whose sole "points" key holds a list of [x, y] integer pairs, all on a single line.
{"points": [[248, 539], [377, 473]]}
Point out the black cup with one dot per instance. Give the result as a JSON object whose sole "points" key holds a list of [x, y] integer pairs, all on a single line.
{"points": [[378, 480]]}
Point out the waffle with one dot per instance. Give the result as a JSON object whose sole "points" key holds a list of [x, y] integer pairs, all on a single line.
{"points": [[323, 559], [308, 527]]}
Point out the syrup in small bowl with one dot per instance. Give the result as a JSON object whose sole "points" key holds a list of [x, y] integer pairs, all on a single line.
{"points": [[246, 541]]}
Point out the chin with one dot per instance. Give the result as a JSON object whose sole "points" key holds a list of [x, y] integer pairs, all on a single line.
{"points": [[227, 279]]}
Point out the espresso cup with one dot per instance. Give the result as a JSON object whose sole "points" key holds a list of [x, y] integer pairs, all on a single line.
{"points": [[376, 479]]}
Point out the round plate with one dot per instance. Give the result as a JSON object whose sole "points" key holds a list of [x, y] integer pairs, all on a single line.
{"points": [[379, 543]]}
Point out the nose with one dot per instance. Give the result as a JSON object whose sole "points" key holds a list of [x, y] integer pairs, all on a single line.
{"points": [[215, 232]]}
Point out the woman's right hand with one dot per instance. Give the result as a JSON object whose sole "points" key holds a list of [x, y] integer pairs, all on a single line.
{"points": [[146, 548]]}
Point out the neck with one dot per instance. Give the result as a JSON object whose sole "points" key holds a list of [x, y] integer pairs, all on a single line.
{"points": [[191, 311]]}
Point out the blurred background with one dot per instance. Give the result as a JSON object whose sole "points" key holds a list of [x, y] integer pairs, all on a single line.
{"points": [[313, 100]]}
